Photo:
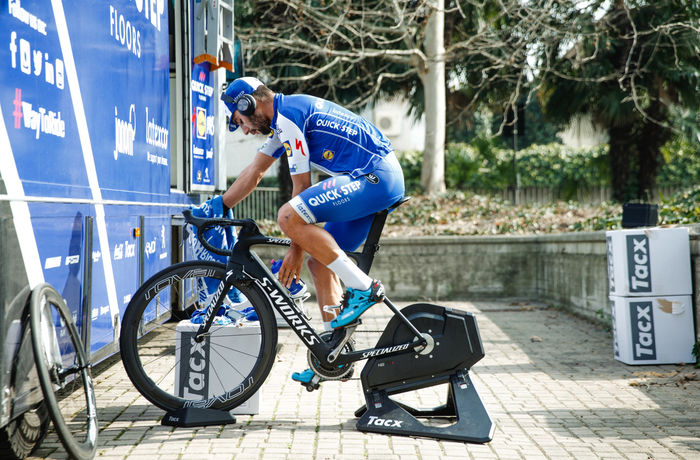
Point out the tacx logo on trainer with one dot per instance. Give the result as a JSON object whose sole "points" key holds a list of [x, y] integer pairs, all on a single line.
{"points": [[374, 420], [638, 263], [642, 325]]}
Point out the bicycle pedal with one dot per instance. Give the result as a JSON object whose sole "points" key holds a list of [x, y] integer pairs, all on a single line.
{"points": [[311, 386]]}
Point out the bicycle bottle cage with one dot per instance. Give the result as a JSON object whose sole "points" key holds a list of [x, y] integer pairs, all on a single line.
{"points": [[453, 348]]}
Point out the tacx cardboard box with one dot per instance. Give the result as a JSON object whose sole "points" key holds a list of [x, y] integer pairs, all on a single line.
{"points": [[653, 330], [207, 367], [649, 262]]}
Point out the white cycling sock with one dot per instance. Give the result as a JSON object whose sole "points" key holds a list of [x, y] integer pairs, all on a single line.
{"points": [[350, 274]]}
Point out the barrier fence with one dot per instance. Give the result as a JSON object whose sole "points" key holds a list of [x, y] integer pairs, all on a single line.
{"points": [[263, 202], [591, 195]]}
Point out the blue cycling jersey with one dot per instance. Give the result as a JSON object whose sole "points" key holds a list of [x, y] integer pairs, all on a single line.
{"points": [[319, 133]]}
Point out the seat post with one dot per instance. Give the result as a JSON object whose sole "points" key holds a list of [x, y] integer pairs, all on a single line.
{"points": [[371, 246], [365, 258]]}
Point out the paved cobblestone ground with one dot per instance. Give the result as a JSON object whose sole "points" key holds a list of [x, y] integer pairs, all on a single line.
{"points": [[548, 381]]}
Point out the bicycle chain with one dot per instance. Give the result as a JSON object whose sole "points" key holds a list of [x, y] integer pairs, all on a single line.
{"points": [[337, 373]]}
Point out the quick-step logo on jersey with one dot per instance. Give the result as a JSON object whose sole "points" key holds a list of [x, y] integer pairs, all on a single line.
{"points": [[342, 126], [642, 325], [638, 263]]}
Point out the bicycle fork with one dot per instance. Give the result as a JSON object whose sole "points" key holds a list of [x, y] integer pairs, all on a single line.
{"points": [[216, 301]]}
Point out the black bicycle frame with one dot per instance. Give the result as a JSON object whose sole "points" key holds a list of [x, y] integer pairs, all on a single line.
{"points": [[244, 266]]}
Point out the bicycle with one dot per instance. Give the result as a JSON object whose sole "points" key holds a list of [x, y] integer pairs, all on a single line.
{"points": [[228, 362], [64, 374]]}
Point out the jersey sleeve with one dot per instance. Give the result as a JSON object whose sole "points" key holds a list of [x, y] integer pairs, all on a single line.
{"points": [[294, 143], [272, 146]]}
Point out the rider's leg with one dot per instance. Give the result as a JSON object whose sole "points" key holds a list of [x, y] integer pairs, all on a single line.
{"points": [[328, 289], [349, 235], [319, 244], [362, 291]]}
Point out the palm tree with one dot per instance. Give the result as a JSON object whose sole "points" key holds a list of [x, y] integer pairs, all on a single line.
{"points": [[628, 71]]}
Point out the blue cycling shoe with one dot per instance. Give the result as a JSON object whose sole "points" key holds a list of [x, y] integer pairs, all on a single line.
{"points": [[308, 379], [312, 381], [305, 376], [356, 302]]}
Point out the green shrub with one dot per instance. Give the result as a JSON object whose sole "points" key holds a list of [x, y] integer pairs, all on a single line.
{"points": [[681, 163], [411, 163], [483, 165], [681, 208]]}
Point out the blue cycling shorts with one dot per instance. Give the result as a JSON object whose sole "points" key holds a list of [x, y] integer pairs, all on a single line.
{"points": [[348, 205]]}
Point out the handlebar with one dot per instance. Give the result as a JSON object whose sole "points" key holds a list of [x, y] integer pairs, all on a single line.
{"points": [[203, 224]]}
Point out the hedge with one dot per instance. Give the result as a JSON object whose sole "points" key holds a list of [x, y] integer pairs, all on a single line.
{"points": [[480, 166]]}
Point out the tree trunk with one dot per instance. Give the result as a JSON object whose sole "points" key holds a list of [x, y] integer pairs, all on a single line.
{"points": [[623, 158], [433, 78], [650, 140], [635, 159]]}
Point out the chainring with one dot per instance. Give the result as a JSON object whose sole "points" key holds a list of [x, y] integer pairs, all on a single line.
{"points": [[340, 372]]}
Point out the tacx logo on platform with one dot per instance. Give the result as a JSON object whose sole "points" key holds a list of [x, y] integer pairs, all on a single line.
{"points": [[638, 263], [642, 325]]}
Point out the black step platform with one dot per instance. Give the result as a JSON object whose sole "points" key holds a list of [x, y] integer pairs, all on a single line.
{"points": [[188, 417], [456, 347]]}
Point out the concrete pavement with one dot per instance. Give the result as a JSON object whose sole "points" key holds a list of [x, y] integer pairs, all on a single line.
{"points": [[548, 381]]}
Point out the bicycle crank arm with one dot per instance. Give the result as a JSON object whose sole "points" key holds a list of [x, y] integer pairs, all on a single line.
{"points": [[335, 352]]}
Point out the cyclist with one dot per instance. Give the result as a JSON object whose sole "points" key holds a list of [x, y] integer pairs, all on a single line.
{"points": [[365, 177]]}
